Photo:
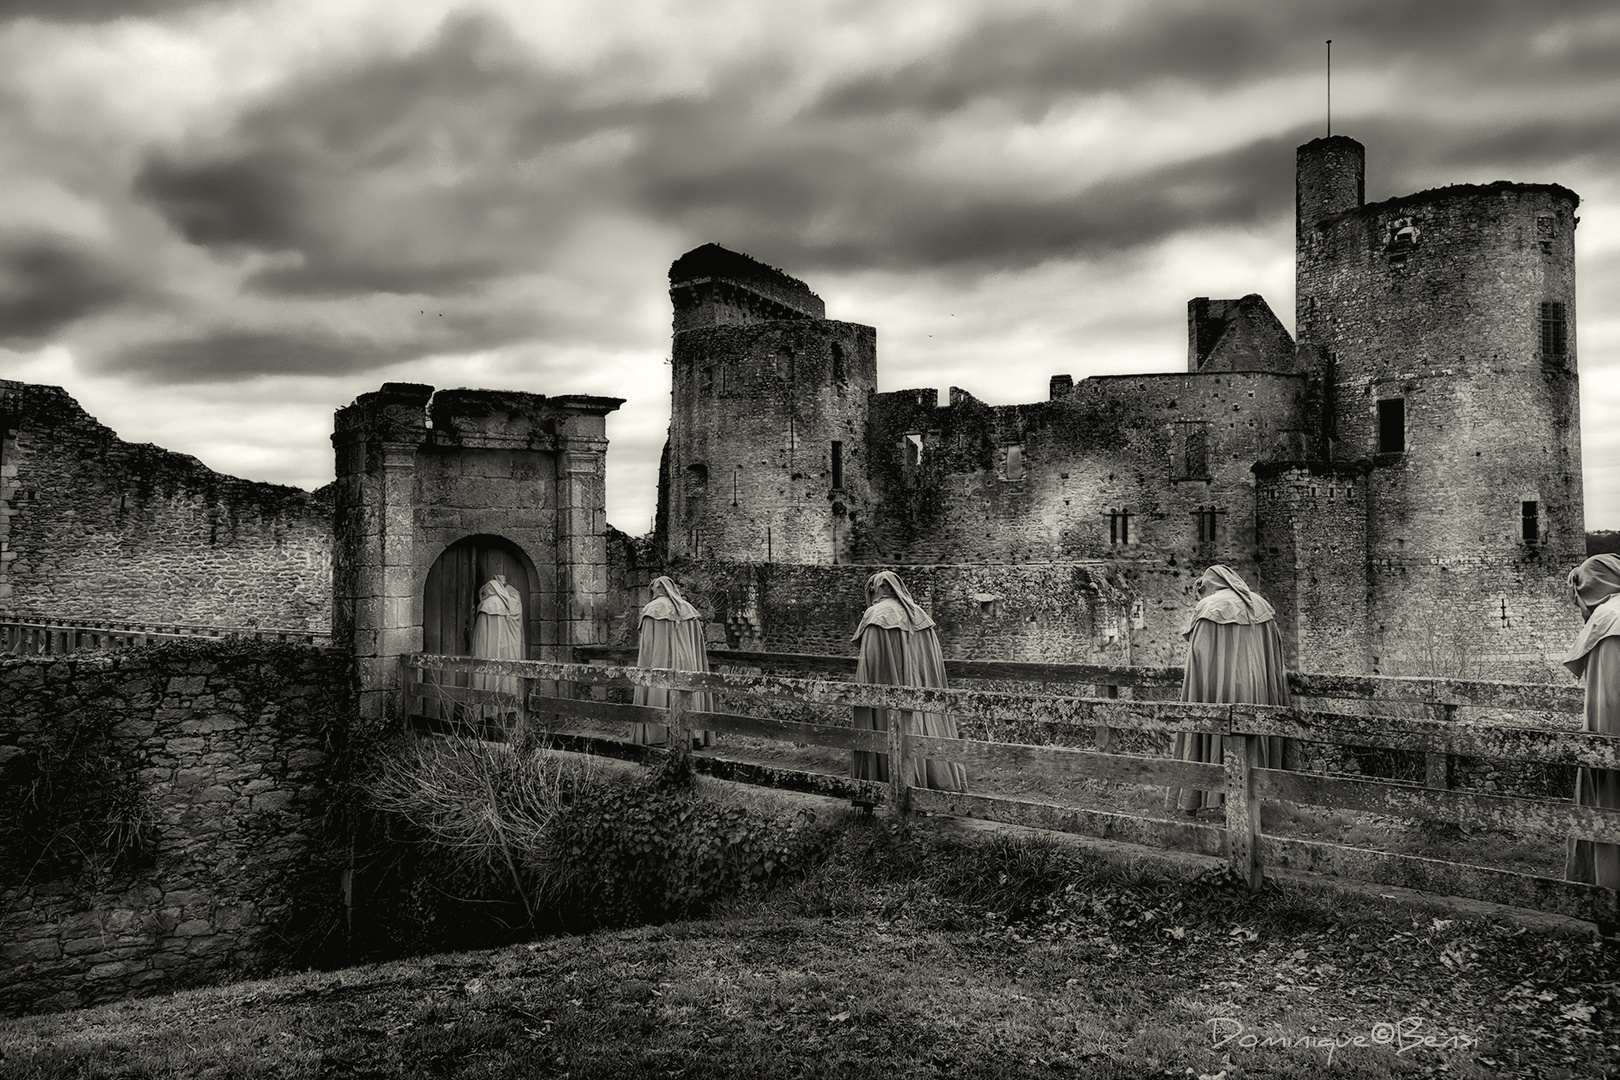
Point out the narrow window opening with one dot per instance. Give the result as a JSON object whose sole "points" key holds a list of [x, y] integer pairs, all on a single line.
{"points": [[838, 373], [1015, 463], [914, 449], [1330, 396], [1206, 524], [1119, 527], [1392, 426], [1554, 331], [837, 465], [1530, 521], [1191, 460], [1546, 229]]}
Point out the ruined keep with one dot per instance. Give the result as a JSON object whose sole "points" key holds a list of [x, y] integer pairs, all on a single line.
{"points": [[436, 493], [768, 419], [1402, 479]]}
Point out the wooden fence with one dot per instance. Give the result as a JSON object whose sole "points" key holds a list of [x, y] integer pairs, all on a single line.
{"points": [[54, 637], [545, 694]]}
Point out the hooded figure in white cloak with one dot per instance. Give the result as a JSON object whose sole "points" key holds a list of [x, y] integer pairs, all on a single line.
{"points": [[1595, 659], [899, 647], [671, 637], [1234, 656], [498, 635]]}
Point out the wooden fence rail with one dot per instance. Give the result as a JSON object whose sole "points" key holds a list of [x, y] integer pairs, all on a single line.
{"points": [[548, 701]]}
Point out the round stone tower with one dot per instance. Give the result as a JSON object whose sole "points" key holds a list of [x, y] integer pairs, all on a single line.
{"points": [[767, 437], [1444, 323]]}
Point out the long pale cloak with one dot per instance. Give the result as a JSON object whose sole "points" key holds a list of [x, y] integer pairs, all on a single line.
{"points": [[893, 656], [498, 635], [1585, 860], [671, 637], [1229, 663]]}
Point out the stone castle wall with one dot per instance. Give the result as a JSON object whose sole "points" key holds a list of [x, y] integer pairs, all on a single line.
{"points": [[1108, 446], [1311, 559], [228, 748], [94, 527]]}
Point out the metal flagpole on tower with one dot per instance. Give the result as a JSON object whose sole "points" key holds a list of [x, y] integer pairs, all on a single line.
{"points": [[1330, 85]]}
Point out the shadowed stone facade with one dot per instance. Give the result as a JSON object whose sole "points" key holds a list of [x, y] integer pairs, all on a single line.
{"points": [[227, 749]]}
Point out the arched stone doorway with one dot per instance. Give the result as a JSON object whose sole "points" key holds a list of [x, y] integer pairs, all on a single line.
{"points": [[450, 595], [450, 600]]}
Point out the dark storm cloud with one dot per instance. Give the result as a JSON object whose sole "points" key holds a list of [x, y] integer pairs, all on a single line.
{"points": [[229, 355], [343, 171], [1542, 141], [1026, 60], [330, 277], [783, 201], [88, 11], [47, 283], [251, 200]]}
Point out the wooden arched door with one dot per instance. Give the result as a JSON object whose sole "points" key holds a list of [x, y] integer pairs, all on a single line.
{"points": [[450, 596]]}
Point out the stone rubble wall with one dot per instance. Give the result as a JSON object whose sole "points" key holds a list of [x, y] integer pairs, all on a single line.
{"points": [[231, 748], [94, 527]]}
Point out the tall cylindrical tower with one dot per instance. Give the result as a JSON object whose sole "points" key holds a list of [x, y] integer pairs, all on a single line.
{"points": [[1445, 321], [767, 436]]}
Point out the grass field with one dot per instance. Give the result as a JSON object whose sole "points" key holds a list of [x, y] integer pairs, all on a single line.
{"points": [[913, 953]]}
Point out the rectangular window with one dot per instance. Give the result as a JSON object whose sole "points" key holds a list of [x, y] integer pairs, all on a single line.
{"points": [[914, 449], [1189, 453], [1119, 527], [1554, 333], [1206, 525], [838, 465], [1015, 463], [838, 373], [1392, 426], [1530, 522]]}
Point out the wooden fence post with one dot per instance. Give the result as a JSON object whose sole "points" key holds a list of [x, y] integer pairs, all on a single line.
{"points": [[1241, 753], [1437, 767], [680, 739], [899, 743]]}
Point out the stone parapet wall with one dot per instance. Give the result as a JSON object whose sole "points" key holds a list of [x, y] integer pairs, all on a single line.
{"points": [[226, 751], [95, 527]]}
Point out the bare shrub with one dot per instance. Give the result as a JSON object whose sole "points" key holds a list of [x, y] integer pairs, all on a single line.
{"points": [[485, 805]]}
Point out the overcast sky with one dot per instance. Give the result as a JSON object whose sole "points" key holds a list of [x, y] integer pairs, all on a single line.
{"points": [[220, 221]]}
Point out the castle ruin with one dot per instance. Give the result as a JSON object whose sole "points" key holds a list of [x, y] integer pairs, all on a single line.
{"points": [[1402, 479]]}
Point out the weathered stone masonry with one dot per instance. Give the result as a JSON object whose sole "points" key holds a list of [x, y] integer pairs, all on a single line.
{"points": [[232, 751], [94, 527]]}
